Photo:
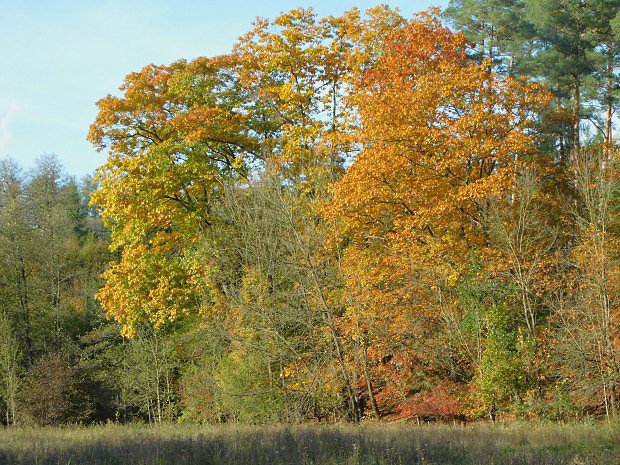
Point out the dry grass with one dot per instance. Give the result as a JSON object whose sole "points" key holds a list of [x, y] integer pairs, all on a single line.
{"points": [[297, 445]]}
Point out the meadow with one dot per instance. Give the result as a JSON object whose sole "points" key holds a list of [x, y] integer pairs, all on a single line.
{"points": [[517, 444]]}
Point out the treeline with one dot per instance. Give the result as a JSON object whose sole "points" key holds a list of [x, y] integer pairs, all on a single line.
{"points": [[53, 248], [344, 218]]}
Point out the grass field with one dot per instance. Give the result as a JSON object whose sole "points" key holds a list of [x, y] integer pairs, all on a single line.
{"points": [[328, 445]]}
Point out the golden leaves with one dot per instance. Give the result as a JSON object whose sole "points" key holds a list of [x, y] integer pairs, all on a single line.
{"points": [[441, 137]]}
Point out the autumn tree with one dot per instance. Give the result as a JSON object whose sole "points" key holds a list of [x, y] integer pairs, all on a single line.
{"points": [[178, 132], [302, 68], [274, 287], [525, 236], [355, 216], [442, 137], [173, 136], [587, 336]]}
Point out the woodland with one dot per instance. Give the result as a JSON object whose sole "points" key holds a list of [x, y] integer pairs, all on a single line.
{"points": [[344, 219]]}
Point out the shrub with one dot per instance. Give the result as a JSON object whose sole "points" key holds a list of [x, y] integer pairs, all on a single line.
{"points": [[55, 393]]}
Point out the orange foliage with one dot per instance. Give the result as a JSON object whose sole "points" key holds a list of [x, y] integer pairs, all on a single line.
{"points": [[442, 136]]}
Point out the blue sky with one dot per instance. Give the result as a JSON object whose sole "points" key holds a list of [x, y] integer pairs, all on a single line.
{"points": [[60, 56]]}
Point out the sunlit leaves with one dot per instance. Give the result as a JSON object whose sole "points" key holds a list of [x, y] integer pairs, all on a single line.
{"points": [[442, 137]]}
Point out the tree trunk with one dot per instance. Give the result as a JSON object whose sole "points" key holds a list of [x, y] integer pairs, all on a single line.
{"points": [[371, 395], [22, 286], [576, 116], [609, 112]]}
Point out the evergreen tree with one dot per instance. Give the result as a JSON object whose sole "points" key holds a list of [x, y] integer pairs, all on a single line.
{"points": [[564, 45], [497, 28]]}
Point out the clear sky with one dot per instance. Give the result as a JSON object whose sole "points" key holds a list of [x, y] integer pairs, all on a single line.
{"points": [[60, 56]]}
